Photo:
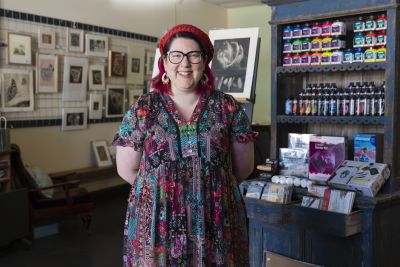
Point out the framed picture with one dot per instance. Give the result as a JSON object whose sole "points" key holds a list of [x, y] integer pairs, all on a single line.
{"points": [[74, 119], [19, 49], [46, 73], [97, 77], [95, 106], [96, 45], [150, 56], [75, 79], [135, 68], [101, 153], [16, 90], [115, 101], [75, 40], [116, 64], [234, 60], [133, 96], [47, 39]]}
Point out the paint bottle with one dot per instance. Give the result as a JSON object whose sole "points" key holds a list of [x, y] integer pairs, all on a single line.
{"points": [[316, 44], [338, 28], [338, 43], [337, 57], [358, 55], [296, 60], [370, 55], [305, 59], [296, 31], [370, 39], [316, 29], [306, 45], [289, 106], [326, 28], [326, 44], [287, 60], [358, 40], [326, 58], [381, 38], [370, 23], [348, 56], [381, 22], [316, 58], [359, 25], [287, 33], [381, 54], [287, 46], [306, 30], [296, 46]]}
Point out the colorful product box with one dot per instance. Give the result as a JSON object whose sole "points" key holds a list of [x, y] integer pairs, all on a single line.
{"points": [[368, 147], [326, 154]]}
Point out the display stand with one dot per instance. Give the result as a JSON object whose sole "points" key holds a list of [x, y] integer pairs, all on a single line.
{"points": [[370, 235]]}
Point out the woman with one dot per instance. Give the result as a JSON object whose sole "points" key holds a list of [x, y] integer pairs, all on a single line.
{"points": [[184, 148]]}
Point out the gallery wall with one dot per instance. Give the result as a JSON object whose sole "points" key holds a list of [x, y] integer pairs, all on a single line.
{"points": [[54, 150]]}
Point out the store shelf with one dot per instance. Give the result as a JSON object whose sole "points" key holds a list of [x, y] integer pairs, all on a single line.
{"points": [[331, 119], [268, 212], [332, 68]]}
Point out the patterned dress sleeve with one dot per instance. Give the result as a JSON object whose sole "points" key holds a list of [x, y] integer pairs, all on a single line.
{"points": [[240, 125], [131, 132]]}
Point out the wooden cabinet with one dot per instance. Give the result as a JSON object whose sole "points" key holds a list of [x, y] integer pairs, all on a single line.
{"points": [[368, 236]]}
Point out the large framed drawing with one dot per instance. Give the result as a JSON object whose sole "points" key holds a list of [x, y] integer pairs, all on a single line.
{"points": [[16, 90], [75, 40], [116, 64], [47, 39], [135, 69], [96, 45], [19, 49], [74, 119], [115, 101], [101, 153], [95, 106], [46, 73], [75, 79], [97, 77], [234, 60]]}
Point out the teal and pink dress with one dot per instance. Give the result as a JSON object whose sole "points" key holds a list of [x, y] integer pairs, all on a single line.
{"points": [[185, 208]]}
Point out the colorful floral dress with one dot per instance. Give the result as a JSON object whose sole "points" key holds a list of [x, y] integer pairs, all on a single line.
{"points": [[185, 208]]}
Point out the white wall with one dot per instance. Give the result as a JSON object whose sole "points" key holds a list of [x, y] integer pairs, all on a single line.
{"points": [[54, 150], [258, 16]]}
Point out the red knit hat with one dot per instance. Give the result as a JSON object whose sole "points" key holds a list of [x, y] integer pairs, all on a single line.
{"points": [[194, 30]]}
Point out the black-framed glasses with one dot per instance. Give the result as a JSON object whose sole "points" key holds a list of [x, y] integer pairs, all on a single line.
{"points": [[176, 57]]}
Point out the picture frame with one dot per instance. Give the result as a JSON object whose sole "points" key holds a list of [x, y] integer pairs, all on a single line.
{"points": [[74, 119], [96, 45], [46, 73], [95, 106], [47, 39], [97, 79], [16, 90], [101, 153], [75, 40], [150, 58], [135, 65], [116, 64], [19, 49], [115, 101], [234, 60], [75, 79]]}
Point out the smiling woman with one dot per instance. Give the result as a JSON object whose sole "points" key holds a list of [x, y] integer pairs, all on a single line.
{"points": [[185, 147]]}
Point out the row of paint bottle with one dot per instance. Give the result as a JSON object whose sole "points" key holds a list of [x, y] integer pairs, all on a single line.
{"points": [[358, 99], [316, 29]]}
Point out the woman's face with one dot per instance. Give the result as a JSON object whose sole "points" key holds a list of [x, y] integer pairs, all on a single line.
{"points": [[184, 76]]}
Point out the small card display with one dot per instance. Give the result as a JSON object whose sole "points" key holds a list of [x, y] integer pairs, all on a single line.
{"points": [[338, 200], [279, 193], [299, 140], [255, 189]]}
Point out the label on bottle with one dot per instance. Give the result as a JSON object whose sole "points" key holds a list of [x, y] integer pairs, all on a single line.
{"points": [[287, 34], [332, 110], [381, 23], [348, 57], [370, 40], [305, 46], [381, 39], [352, 110], [306, 31], [358, 26], [370, 25], [296, 32], [287, 47], [381, 55], [288, 107], [346, 107], [316, 31], [358, 41], [326, 29]]}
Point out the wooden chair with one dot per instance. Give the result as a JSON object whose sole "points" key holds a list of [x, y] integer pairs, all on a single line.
{"points": [[68, 200]]}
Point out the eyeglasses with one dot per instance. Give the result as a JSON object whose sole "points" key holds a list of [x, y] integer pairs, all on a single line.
{"points": [[176, 57]]}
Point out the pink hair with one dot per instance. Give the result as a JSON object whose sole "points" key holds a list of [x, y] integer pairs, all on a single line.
{"points": [[158, 86]]}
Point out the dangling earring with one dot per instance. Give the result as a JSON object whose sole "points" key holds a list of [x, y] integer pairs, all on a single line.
{"points": [[164, 78], [204, 80]]}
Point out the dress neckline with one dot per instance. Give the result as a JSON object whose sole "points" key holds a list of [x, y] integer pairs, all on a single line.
{"points": [[173, 110]]}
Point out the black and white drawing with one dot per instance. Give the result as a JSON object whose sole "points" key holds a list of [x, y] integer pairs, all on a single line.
{"points": [[96, 77], [96, 45], [115, 101], [75, 79], [75, 40], [96, 105], [74, 119], [234, 60], [17, 90], [135, 70]]}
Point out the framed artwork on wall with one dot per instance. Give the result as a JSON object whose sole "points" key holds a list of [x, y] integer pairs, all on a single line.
{"points": [[150, 56], [95, 106], [115, 101], [47, 39], [101, 153], [96, 45], [97, 77], [135, 68], [19, 49], [75, 40], [116, 64], [75, 79], [74, 119], [133, 96], [46, 73], [16, 90], [234, 60]]}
